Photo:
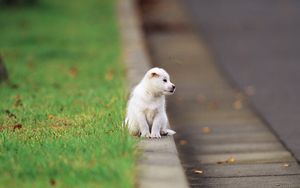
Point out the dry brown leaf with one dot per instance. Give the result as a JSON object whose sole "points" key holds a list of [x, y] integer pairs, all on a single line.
{"points": [[73, 72], [231, 160], [109, 75], [50, 116], [52, 182], [206, 130], [182, 142], [18, 126], [237, 104]]}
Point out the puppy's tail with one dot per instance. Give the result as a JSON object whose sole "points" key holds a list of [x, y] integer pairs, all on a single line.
{"points": [[169, 132]]}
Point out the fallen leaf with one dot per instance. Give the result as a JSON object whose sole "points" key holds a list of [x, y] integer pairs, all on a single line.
{"points": [[109, 75], [198, 171], [286, 165], [17, 126], [73, 72], [231, 160], [50, 116], [237, 104], [52, 182], [206, 130], [182, 142]]}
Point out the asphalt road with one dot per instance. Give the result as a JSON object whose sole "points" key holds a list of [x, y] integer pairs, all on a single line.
{"points": [[257, 43]]}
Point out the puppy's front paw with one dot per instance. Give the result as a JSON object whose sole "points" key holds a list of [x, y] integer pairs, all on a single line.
{"points": [[167, 132], [155, 135], [145, 134]]}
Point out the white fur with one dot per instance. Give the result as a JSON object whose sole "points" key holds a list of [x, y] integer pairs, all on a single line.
{"points": [[146, 108]]}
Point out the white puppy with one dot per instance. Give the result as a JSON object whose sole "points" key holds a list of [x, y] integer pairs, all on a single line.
{"points": [[146, 108]]}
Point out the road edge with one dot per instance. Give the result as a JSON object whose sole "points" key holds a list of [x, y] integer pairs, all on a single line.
{"points": [[159, 165]]}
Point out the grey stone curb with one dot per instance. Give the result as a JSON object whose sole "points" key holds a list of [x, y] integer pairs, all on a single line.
{"points": [[160, 165], [135, 57]]}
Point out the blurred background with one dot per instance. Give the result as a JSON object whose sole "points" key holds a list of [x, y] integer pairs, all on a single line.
{"points": [[257, 43]]}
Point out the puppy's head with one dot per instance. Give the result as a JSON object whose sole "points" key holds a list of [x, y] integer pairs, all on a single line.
{"points": [[159, 82]]}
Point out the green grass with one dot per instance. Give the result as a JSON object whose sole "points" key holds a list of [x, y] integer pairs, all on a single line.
{"points": [[67, 93]]}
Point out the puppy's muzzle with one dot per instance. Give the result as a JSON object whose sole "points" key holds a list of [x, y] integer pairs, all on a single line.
{"points": [[173, 89]]}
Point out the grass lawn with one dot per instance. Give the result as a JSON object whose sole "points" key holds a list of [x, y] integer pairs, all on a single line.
{"points": [[60, 117]]}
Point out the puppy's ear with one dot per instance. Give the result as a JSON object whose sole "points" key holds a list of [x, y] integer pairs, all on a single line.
{"points": [[154, 74]]}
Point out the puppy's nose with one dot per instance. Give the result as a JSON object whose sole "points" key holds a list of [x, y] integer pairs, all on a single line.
{"points": [[173, 86]]}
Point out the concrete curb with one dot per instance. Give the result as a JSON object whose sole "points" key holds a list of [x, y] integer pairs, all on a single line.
{"points": [[135, 58], [160, 165]]}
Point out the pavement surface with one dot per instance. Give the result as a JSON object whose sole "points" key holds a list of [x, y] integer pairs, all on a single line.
{"points": [[257, 43], [221, 141]]}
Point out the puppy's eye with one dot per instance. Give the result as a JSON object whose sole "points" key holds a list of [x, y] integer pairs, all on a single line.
{"points": [[165, 80]]}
